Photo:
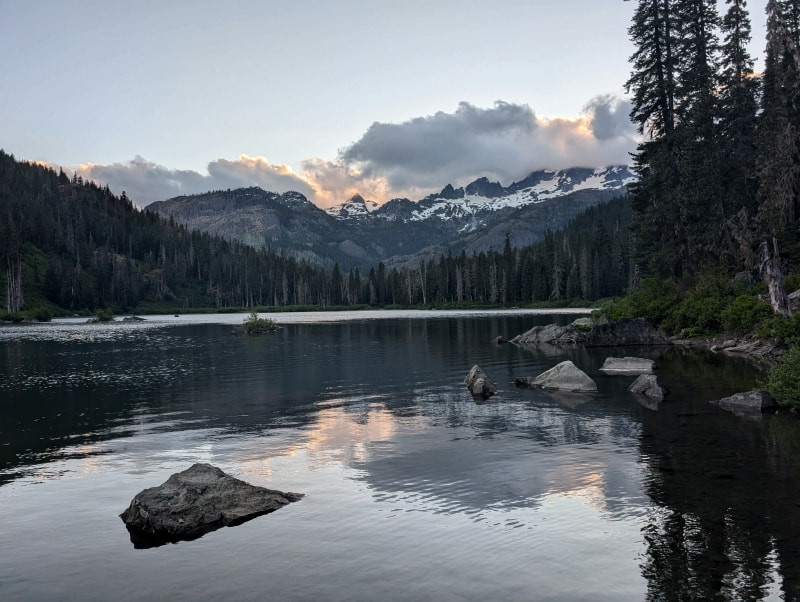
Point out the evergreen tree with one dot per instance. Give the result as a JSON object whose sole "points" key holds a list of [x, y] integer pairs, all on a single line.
{"points": [[699, 195], [778, 167], [738, 109], [653, 83]]}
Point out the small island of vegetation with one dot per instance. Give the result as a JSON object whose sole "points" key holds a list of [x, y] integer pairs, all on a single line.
{"points": [[255, 325]]}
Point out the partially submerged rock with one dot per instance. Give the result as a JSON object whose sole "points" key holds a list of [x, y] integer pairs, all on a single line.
{"points": [[194, 502], [649, 386], [499, 340], [627, 365], [755, 401], [635, 332], [550, 333], [565, 376], [479, 384]]}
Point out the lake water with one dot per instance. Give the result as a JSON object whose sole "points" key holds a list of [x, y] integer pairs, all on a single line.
{"points": [[413, 490]]}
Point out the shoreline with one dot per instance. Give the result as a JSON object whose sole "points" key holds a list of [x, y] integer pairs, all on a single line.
{"points": [[761, 354]]}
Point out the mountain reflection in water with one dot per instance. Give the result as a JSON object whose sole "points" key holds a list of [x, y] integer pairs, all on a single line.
{"points": [[414, 490]]}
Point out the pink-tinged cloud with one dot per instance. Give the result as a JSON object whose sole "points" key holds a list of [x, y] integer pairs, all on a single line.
{"points": [[145, 181]]}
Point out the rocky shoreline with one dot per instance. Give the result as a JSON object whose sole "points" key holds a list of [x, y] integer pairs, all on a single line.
{"points": [[762, 354]]}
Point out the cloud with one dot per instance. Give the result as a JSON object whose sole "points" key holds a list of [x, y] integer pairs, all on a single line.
{"points": [[610, 118], [505, 142], [145, 181]]}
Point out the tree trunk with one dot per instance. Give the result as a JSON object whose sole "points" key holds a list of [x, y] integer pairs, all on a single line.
{"points": [[14, 300], [773, 275]]}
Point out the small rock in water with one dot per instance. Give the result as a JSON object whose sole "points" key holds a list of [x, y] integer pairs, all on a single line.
{"points": [[649, 386], [755, 401], [479, 384]]}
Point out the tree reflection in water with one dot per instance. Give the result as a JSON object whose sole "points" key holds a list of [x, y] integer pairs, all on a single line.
{"points": [[725, 492]]}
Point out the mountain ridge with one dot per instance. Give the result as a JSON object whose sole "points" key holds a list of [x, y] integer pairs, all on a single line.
{"points": [[361, 233]]}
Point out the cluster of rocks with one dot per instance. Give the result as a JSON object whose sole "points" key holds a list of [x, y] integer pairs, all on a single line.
{"points": [[566, 377]]}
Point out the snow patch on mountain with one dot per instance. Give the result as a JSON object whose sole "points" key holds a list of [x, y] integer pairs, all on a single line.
{"points": [[354, 208]]}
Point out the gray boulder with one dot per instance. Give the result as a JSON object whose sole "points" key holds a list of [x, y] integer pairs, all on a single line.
{"points": [[583, 324], [649, 386], [565, 376], [627, 365], [755, 401], [194, 502], [610, 333], [550, 333], [479, 384]]}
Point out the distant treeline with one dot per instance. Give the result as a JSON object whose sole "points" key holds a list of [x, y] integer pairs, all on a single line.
{"points": [[589, 259], [71, 244]]}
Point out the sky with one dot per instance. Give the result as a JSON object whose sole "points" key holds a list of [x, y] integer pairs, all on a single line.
{"points": [[327, 97]]}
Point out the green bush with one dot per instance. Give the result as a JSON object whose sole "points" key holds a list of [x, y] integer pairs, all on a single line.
{"points": [[653, 302], [696, 315], [104, 315], [745, 313], [792, 282], [255, 325], [41, 314], [783, 381], [780, 329]]}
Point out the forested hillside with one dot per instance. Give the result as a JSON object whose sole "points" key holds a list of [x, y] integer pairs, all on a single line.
{"points": [[73, 245], [70, 245]]}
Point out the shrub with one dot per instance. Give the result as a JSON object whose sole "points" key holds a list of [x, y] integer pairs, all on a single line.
{"points": [[104, 315], [783, 381], [745, 313], [255, 325], [792, 282], [41, 314], [652, 302], [779, 328]]}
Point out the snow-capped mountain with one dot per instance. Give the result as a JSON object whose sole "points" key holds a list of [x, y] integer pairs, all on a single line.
{"points": [[354, 208], [483, 196]]}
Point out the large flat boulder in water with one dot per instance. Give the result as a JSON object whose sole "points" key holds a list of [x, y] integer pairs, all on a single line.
{"points": [[619, 333], [194, 502], [479, 384], [755, 401], [627, 365], [550, 333], [565, 376]]}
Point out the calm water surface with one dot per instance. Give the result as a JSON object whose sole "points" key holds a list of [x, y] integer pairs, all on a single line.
{"points": [[413, 490]]}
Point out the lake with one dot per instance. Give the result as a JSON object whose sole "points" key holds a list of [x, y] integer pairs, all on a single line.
{"points": [[413, 490]]}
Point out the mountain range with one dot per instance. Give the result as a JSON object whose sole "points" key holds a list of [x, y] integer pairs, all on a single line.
{"points": [[360, 233]]}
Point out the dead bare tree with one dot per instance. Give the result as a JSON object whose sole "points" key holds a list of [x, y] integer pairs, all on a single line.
{"points": [[770, 270]]}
